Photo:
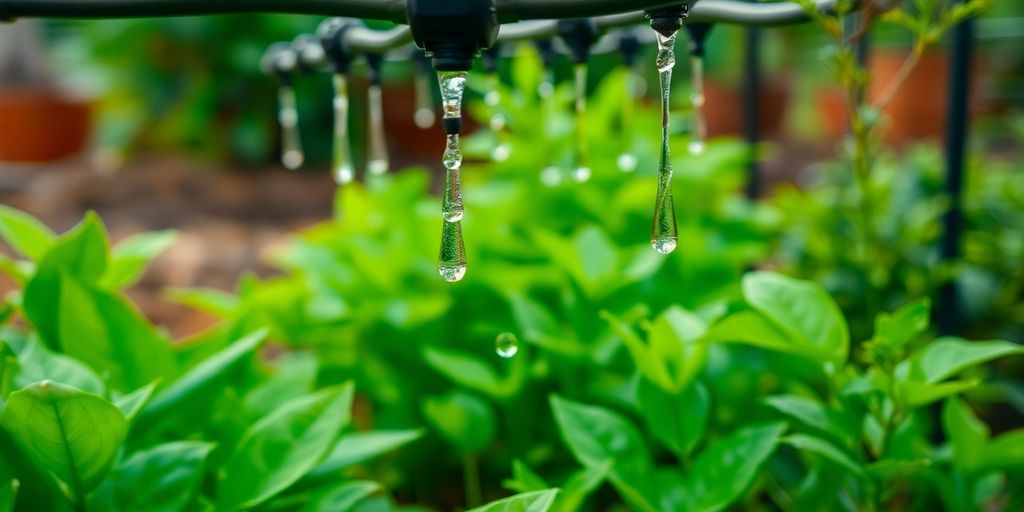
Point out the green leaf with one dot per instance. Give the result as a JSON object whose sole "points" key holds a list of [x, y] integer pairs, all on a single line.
{"points": [[676, 419], [70, 434], [727, 467], [82, 253], [752, 328], [358, 447], [1005, 451], [294, 375], [675, 344], [537, 501], [342, 497], [595, 436], [463, 419], [966, 432], [133, 402], [946, 357], [825, 449], [916, 394], [466, 371], [813, 414], [579, 485], [130, 257], [163, 478], [25, 233], [902, 326], [199, 380], [208, 300], [106, 332], [282, 447], [524, 479], [801, 309], [36, 364]]}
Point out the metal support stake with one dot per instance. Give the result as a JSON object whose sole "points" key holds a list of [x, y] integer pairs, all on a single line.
{"points": [[752, 108], [947, 312]]}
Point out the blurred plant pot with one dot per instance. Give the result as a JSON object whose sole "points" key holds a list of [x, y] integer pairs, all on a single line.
{"points": [[723, 107], [38, 125], [917, 111]]}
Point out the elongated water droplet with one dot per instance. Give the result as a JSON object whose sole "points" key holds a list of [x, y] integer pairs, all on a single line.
{"points": [[377, 163], [343, 170], [581, 171], [627, 161], [506, 345], [288, 116], [663, 230], [700, 131], [452, 260], [424, 116]]}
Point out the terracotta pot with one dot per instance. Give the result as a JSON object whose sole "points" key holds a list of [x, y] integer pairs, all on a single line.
{"points": [[41, 126], [723, 107]]}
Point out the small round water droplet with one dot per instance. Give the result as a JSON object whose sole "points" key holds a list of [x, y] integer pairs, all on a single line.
{"points": [[453, 214], [551, 176], [506, 345], [497, 122], [344, 175], [377, 166], [492, 98], [581, 174], [696, 147], [545, 89], [424, 118], [292, 159], [627, 162], [501, 152], [452, 274], [664, 245]]}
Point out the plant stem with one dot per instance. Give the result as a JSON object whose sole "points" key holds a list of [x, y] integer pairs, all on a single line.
{"points": [[471, 480], [901, 76]]}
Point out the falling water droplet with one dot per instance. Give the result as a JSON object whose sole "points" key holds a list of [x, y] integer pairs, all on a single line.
{"points": [[700, 132], [377, 163], [343, 170], [506, 345], [288, 116], [627, 162], [581, 172], [663, 230], [452, 260], [451, 207]]}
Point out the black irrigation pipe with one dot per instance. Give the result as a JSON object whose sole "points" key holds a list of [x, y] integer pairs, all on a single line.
{"points": [[957, 121], [751, 114]]}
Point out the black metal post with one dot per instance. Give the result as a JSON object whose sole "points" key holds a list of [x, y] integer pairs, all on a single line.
{"points": [[947, 311], [752, 108]]}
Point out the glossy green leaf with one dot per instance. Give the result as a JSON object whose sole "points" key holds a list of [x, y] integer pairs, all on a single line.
{"points": [[294, 375], [966, 432], [466, 371], [1005, 451], [207, 300], [902, 326], [25, 233], [282, 447], [802, 310], [72, 435], [676, 419], [80, 253], [916, 394], [342, 497], [199, 380], [596, 435], [163, 478], [723, 472], [130, 257], [106, 332], [674, 339], [825, 449], [37, 364], [524, 479], [358, 447], [947, 357], [580, 485], [133, 402], [537, 501], [462, 419]]}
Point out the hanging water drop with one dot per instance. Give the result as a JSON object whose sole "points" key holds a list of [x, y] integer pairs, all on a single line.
{"points": [[377, 160], [581, 172], [288, 116], [452, 260], [700, 126], [343, 170], [629, 46], [506, 345], [424, 116], [663, 230]]}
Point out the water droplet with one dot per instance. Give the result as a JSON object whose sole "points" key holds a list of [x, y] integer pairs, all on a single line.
{"points": [[453, 84], [452, 260], [696, 147], [377, 161], [626, 162], [663, 228], [288, 115], [545, 89], [341, 163], [501, 152], [581, 174], [551, 176], [506, 345], [424, 118], [492, 98], [497, 122], [451, 203]]}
